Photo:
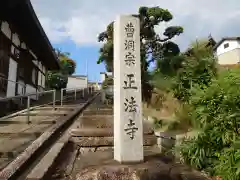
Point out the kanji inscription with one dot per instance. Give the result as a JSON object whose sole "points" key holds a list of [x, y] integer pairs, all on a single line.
{"points": [[129, 29], [130, 82], [130, 105], [129, 45], [131, 129], [129, 59]]}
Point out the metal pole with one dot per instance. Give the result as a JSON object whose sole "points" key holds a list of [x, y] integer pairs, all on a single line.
{"points": [[83, 92], [54, 99], [21, 97], [75, 93], [28, 109], [61, 98]]}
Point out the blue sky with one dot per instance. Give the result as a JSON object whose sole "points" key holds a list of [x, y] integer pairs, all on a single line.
{"points": [[86, 58], [73, 25]]}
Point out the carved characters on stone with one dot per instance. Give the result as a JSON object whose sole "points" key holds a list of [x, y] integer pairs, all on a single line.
{"points": [[131, 129]]}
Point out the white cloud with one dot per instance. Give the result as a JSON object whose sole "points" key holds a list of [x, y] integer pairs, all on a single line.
{"points": [[81, 21]]}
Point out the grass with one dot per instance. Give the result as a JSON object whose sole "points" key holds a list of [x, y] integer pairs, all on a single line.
{"points": [[167, 113]]}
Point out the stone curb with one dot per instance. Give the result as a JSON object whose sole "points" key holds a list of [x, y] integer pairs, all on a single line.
{"points": [[148, 140], [18, 164], [99, 132]]}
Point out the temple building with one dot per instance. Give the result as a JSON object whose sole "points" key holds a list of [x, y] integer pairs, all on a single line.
{"points": [[25, 51]]}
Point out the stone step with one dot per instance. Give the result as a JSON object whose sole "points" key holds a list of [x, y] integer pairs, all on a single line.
{"points": [[101, 132], [93, 123], [149, 140], [100, 112], [42, 168], [97, 117], [92, 132], [21, 134], [11, 147]]}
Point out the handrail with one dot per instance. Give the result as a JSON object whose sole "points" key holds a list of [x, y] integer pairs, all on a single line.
{"points": [[74, 89], [28, 109], [12, 81], [26, 95], [22, 86]]}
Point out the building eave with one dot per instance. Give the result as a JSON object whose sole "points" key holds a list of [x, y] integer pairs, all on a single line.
{"points": [[28, 27], [43, 34]]}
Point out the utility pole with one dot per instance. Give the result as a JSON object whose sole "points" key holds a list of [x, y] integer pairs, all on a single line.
{"points": [[87, 74]]}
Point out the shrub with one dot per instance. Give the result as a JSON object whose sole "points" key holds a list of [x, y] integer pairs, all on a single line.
{"points": [[216, 109], [107, 82], [229, 162]]}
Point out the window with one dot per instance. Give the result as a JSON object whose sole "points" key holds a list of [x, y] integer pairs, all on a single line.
{"points": [[226, 45], [16, 53], [21, 72]]}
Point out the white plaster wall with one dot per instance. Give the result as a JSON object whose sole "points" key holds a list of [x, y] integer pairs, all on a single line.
{"points": [[39, 78], [230, 57], [43, 69], [6, 29], [12, 49], [15, 39], [43, 81], [109, 73], [35, 62], [233, 44], [40, 65], [77, 82], [31, 89], [23, 45], [34, 76], [12, 76], [102, 76], [21, 86]]}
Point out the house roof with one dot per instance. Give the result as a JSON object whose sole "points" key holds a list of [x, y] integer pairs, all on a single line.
{"points": [[107, 73], [77, 76], [83, 77], [27, 25], [224, 39]]}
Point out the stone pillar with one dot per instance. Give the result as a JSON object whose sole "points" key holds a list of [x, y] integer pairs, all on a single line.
{"points": [[128, 125]]}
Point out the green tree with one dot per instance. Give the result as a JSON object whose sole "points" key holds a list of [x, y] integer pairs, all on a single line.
{"points": [[152, 46], [59, 79], [198, 67]]}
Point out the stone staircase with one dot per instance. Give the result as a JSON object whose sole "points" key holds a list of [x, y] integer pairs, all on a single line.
{"points": [[95, 130]]}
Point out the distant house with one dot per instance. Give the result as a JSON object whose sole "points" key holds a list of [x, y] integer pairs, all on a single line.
{"points": [[25, 51], [96, 85], [77, 81], [227, 51], [104, 75]]}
